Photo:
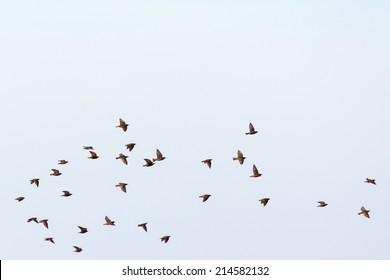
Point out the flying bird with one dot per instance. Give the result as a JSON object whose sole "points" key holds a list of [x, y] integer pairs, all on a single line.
{"points": [[144, 226], [56, 172], [205, 197], [20, 198], [109, 222], [321, 203], [208, 162], [130, 146], [93, 155], [82, 229], [370, 181], [123, 158], [77, 249], [88, 148], [240, 157], [35, 181], [251, 130], [159, 156], [165, 238], [45, 223], [66, 193], [50, 239], [264, 201], [122, 186], [33, 219], [255, 172], [148, 162], [364, 212], [62, 161], [122, 124]]}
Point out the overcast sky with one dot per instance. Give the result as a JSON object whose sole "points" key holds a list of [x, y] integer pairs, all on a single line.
{"points": [[188, 77]]}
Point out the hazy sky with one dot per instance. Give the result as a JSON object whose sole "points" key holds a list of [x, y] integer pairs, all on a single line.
{"points": [[188, 77]]}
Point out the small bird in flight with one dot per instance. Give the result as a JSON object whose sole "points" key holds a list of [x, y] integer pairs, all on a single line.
{"points": [[205, 197], [33, 219], [123, 158], [122, 186], [122, 124], [144, 226], [62, 161], [56, 172], [148, 162], [35, 181], [45, 223], [251, 130], [159, 156], [109, 222], [165, 238], [66, 193], [264, 201], [370, 181], [240, 157], [82, 229], [20, 198], [77, 249], [255, 172], [50, 239], [88, 148], [208, 162], [93, 155], [321, 203], [130, 146], [364, 212]]}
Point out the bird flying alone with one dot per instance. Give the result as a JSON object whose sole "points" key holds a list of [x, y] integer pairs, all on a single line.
{"points": [[208, 162], [35, 181], [240, 157], [122, 124], [159, 156], [364, 211], [66, 193], [148, 162], [264, 201], [205, 197], [93, 155], [88, 148], [20, 198], [50, 239], [56, 172], [45, 223], [370, 181], [123, 158], [251, 130], [109, 222], [130, 146], [321, 203], [143, 225], [122, 186], [255, 172], [77, 249], [33, 219], [82, 229], [165, 238], [62, 161]]}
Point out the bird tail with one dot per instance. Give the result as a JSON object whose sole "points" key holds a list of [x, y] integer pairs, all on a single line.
{"points": [[247, 133]]}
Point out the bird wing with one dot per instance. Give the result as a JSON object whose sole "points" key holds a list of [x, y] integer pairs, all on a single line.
{"points": [[108, 220], [239, 154], [255, 171], [159, 154], [251, 128]]}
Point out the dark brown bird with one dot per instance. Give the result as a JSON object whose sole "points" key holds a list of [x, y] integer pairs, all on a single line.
{"points": [[240, 157], [205, 197], [77, 249], [93, 155], [66, 193], [88, 148], [55, 172], [144, 226], [35, 181], [130, 146], [251, 130], [50, 239], [20, 198], [264, 201], [370, 181], [62, 161], [122, 186], [148, 162], [364, 212], [122, 124], [255, 172], [322, 203], [123, 158], [109, 222], [165, 238], [208, 162], [45, 223], [159, 156], [33, 219], [82, 229]]}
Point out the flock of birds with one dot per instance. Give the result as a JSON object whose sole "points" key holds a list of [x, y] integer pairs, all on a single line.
{"points": [[148, 163]]}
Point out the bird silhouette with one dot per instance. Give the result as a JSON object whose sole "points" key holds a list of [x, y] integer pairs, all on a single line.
{"points": [[93, 155], [50, 239], [35, 181], [55, 172], [148, 162], [20, 198], [159, 156], [33, 219], [62, 161], [240, 157], [109, 222], [364, 212], [122, 124], [208, 162], [322, 203], [130, 146], [123, 158], [82, 229], [144, 226], [77, 249], [88, 148], [255, 172], [66, 193], [165, 238], [45, 222], [122, 186], [370, 181], [264, 201], [251, 130], [205, 197]]}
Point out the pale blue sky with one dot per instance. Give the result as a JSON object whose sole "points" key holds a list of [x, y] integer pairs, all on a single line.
{"points": [[312, 76]]}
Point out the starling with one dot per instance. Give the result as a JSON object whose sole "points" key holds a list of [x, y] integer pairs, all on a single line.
{"points": [[208, 162], [20, 198], [144, 226], [77, 249], [45, 222], [123, 158], [370, 181], [148, 162], [130, 146], [322, 203], [88, 148], [255, 172], [109, 222], [159, 156], [122, 186], [364, 212], [82, 229], [33, 219], [205, 197], [62, 161], [122, 124], [93, 155], [264, 201], [55, 172], [49, 239], [165, 238], [35, 181], [251, 130], [240, 157], [66, 193]]}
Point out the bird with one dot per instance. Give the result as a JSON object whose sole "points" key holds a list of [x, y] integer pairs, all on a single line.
{"points": [[33, 219], [62, 161], [264, 201], [122, 124], [82, 229], [144, 226], [45, 223], [370, 181], [50, 239], [205, 197], [88, 148], [255, 172], [364, 212], [123, 158], [66, 193], [208, 162], [20, 198], [148, 162], [130, 146], [251, 130], [93, 155], [322, 203], [56, 172], [122, 186], [240, 157], [159, 156], [109, 222], [77, 249], [35, 181], [165, 238]]}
